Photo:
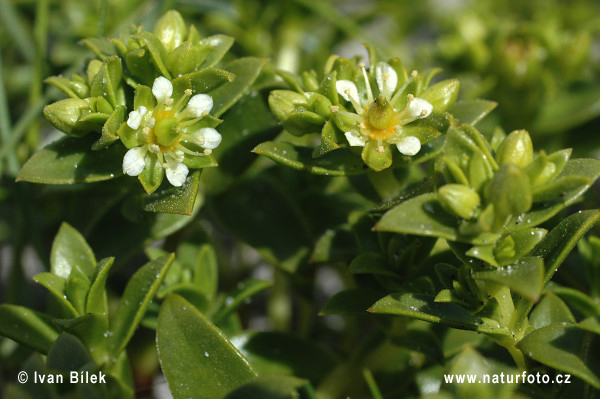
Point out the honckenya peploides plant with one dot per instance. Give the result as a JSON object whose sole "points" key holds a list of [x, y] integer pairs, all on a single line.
{"points": [[259, 218]]}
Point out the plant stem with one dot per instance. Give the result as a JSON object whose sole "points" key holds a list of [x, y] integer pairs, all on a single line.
{"points": [[6, 129]]}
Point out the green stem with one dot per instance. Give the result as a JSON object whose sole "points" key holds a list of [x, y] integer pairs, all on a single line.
{"points": [[102, 17], [20, 36], [372, 384], [385, 184], [6, 128]]}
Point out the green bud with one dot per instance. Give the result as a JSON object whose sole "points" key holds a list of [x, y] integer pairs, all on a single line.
{"points": [[310, 81], [170, 30], [510, 192], [442, 94], [380, 113], [459, 200], [284, 102], [504, 251], [92, 70], [344, 68], [320, 104], [65, 114], [184, 59], [516, 149], [167, 131]]}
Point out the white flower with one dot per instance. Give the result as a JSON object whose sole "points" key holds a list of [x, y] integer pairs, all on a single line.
{"points": [[200, 105], [134, 161], [375, 124], [168, 132]]}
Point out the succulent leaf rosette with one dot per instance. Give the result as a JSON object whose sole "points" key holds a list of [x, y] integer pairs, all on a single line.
{"points": [[167, 133]]}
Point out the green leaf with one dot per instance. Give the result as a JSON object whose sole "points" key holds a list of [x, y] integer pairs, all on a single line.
{"points": [[576, 299], [422, 215], [269, 387], [244, 290], [27, 327], [541, 212], [206, 271], [157, 51], [56, 286], [110, 130], [76, 289], [107, 80], [138, 293], [424, 307], [303, 358], [202, 81], [220, 45], [96, 299], [246, 71], [565, 348], [70, 249], [525, 277], [91, 329], [351, 302], [69, 161], [591, 324], [178, 200], [567, 111], [197, 359], [370, 263], [550, 311], [341, 162], [68, 354], [442, 94], [563, 238], [472, 111]]}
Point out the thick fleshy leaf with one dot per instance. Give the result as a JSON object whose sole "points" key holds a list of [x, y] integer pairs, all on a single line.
{"points": [[196, 357], [540, 212], [96, 302], [179, 200], [110, 130], [92, 330], [69, 249], [69, 161], [550, 311], [525, 276], [472, 111], [202, 81], [138, 293], [442, 94], [576, 299], [246, 70], [281, 353], [370, 263], [563, 238], [422, 215], [27, 327], [56, 286], [568, 111], [591, 324], [157, 51], [107, 80], [565, 348], [270, 387], [76, 289], [220, 45], [351, 302], [337, 163], [243, 291], [424, 307], [68, 354]]}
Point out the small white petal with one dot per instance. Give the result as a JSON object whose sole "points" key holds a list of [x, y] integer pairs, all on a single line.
{"points": [[199, 104], [347, 89], [409, 145], [162, 89], [387, 78], [133, 161], [210, 137], [135, 117], [176, 173], [354, 140], [419, 108]]}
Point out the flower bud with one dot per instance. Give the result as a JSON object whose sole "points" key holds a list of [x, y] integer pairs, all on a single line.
{"points": [[170, 30], [65, 114], [459, 200], [516, 149], [184, 59], [167, 131]]}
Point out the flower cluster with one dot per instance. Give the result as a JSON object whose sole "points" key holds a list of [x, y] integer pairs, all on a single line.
{"points": [[381, 118], [166, 131]]}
